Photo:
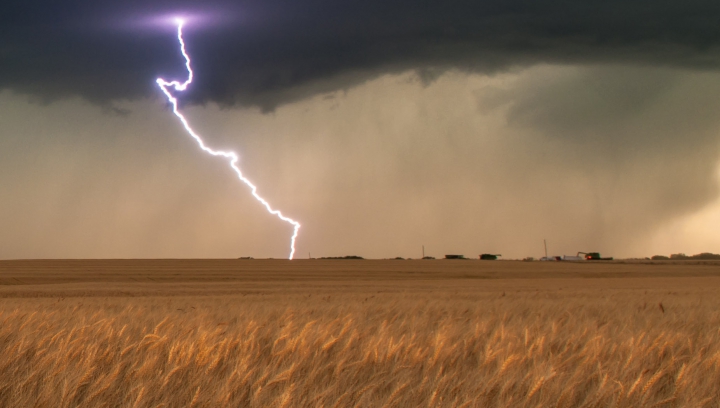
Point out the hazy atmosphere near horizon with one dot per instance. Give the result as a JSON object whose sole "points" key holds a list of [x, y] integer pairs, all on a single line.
{"points": [[467, 127]]}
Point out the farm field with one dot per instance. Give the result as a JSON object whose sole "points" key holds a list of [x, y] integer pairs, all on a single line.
{"points": [[365, 333]]}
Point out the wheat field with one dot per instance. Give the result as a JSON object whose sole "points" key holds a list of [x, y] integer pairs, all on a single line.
{"points": [[358, 334]]}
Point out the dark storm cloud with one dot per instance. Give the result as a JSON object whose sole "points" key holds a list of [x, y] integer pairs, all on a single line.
{"points": [[273, 51]]}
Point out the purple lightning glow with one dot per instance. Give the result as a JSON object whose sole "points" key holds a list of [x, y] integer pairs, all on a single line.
{"points": [[231, 156]]}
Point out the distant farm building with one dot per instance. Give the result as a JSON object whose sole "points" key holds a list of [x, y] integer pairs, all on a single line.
{"points": [[454, 256], [489, 257], [551, 258], [343, 257]]}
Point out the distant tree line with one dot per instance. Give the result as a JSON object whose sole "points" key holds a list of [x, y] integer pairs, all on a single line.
{"points": [[683, 257]]}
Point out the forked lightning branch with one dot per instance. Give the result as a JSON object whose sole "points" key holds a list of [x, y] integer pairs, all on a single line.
{"points": [[231, 156]]}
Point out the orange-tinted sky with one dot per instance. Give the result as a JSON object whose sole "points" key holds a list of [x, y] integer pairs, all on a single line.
{"points": [[381, 125]]}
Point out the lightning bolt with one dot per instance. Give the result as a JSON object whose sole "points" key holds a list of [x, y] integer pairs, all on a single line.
{"points": [[231, 156]]}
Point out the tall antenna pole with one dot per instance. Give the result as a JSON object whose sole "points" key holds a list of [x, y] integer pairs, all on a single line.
{"points": [[545, 242]]}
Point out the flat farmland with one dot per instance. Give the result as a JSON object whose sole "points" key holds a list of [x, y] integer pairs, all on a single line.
{"points": [[93, 278], [366, 333]]}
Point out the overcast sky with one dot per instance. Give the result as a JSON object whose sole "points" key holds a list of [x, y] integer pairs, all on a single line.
{"points": [[382, 126]]}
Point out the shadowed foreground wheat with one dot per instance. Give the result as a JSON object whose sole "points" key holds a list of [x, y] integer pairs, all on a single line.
{"points": [[426, 350]]}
